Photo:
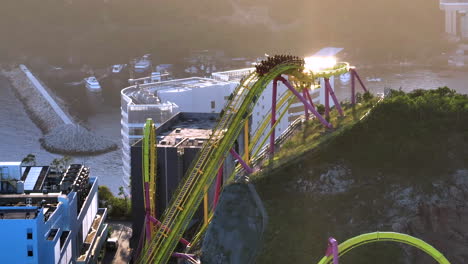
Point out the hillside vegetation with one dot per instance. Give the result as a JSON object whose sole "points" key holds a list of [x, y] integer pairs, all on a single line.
{"points": [[373, 174]]}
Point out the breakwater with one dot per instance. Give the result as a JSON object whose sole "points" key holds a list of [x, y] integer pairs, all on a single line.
{"points": [[61, 134]]}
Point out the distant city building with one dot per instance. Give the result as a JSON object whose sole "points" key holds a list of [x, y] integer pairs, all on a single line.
{"points": [[162, 100], [456, 26], [49, 217], [178, 141], [456, 19]]}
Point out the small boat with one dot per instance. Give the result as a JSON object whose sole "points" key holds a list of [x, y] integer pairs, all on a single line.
{"points": [[117, 68], [373, 79], [92, 84], [345, 78], [143, 64]]}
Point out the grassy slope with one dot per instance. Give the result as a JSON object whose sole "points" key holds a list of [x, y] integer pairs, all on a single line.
{"points": [[407, 139]]}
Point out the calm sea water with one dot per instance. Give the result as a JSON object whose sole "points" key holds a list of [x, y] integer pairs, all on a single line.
{"points": [[101, 113], [19, 136]]}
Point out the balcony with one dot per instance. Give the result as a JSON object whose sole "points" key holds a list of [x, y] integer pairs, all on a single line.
{"points": [[95, 238]]}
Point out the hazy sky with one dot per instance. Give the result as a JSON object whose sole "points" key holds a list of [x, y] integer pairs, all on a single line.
{"points": [[97, 30]]}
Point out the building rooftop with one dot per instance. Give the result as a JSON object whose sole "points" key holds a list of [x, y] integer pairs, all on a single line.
{"points": [[36, 188], [140, 93], [186, 129], [233, 75], [328, 51]]}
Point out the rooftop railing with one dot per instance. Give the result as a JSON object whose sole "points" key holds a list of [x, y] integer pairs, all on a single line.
{"points": [[454, 1]]}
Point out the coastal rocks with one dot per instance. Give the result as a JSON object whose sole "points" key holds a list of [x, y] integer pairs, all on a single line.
{"points": [[445, 228], [35, 105], [69, 139], [75, 139], [235, 233]]}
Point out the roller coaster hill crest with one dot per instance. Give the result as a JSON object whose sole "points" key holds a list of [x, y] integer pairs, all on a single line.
{"points": [[161, 238]]}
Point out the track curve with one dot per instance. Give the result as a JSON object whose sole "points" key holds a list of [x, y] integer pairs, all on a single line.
{"points": [[360, 240]]}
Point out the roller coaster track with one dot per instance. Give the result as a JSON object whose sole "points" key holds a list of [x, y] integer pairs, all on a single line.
{"points": [[360, 240], [203, 170]]}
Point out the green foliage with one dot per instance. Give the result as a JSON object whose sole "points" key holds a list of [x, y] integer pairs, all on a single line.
{"points": [[118, 207], [321, 109], [367, 96], [60, 164], [421, 130], [358, 97], [29, 160]]}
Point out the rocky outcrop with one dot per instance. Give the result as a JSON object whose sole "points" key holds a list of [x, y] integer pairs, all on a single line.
{"points": [[236, 231], [75, 139]]}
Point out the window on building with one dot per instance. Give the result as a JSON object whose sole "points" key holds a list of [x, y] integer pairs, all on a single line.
{"points": [[30, 251], [213, 105], [29, 235]]}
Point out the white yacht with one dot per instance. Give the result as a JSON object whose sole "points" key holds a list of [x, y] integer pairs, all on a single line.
{"points": [[117, 68], [345, 78], [143, 64], [92, 84]]}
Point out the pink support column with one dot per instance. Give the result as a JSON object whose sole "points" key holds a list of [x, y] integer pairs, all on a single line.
{"points": [[327, 101], [158, 223], [333, 250], [241, 161], [310, 100], [333, 96], [148, 212], [136, 254], [353, 87], [219, 183], [306, 111], [360, 81], [189, 257], [273, 115], [304, 101]]}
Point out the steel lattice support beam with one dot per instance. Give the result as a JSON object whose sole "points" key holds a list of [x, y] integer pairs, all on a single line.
{"points": [[333, 96], [148, 212], [273, 115], [219, 184], [304, 101], [247, 168], [355, 76], [158, 223], [305, 93]]}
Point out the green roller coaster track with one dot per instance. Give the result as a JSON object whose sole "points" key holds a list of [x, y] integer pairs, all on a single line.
{"points": [[203, 170], [357, 241]]}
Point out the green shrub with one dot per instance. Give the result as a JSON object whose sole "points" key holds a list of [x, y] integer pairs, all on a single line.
{"points": [[118, 207], [367, 96], [321, 109]]}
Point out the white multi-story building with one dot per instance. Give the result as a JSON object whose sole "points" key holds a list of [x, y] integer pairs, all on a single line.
{"points": [[456, 19], [456, 26], [161, 100]]}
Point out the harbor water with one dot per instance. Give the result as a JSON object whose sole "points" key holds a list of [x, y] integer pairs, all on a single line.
{"points": [[100, 112]]}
